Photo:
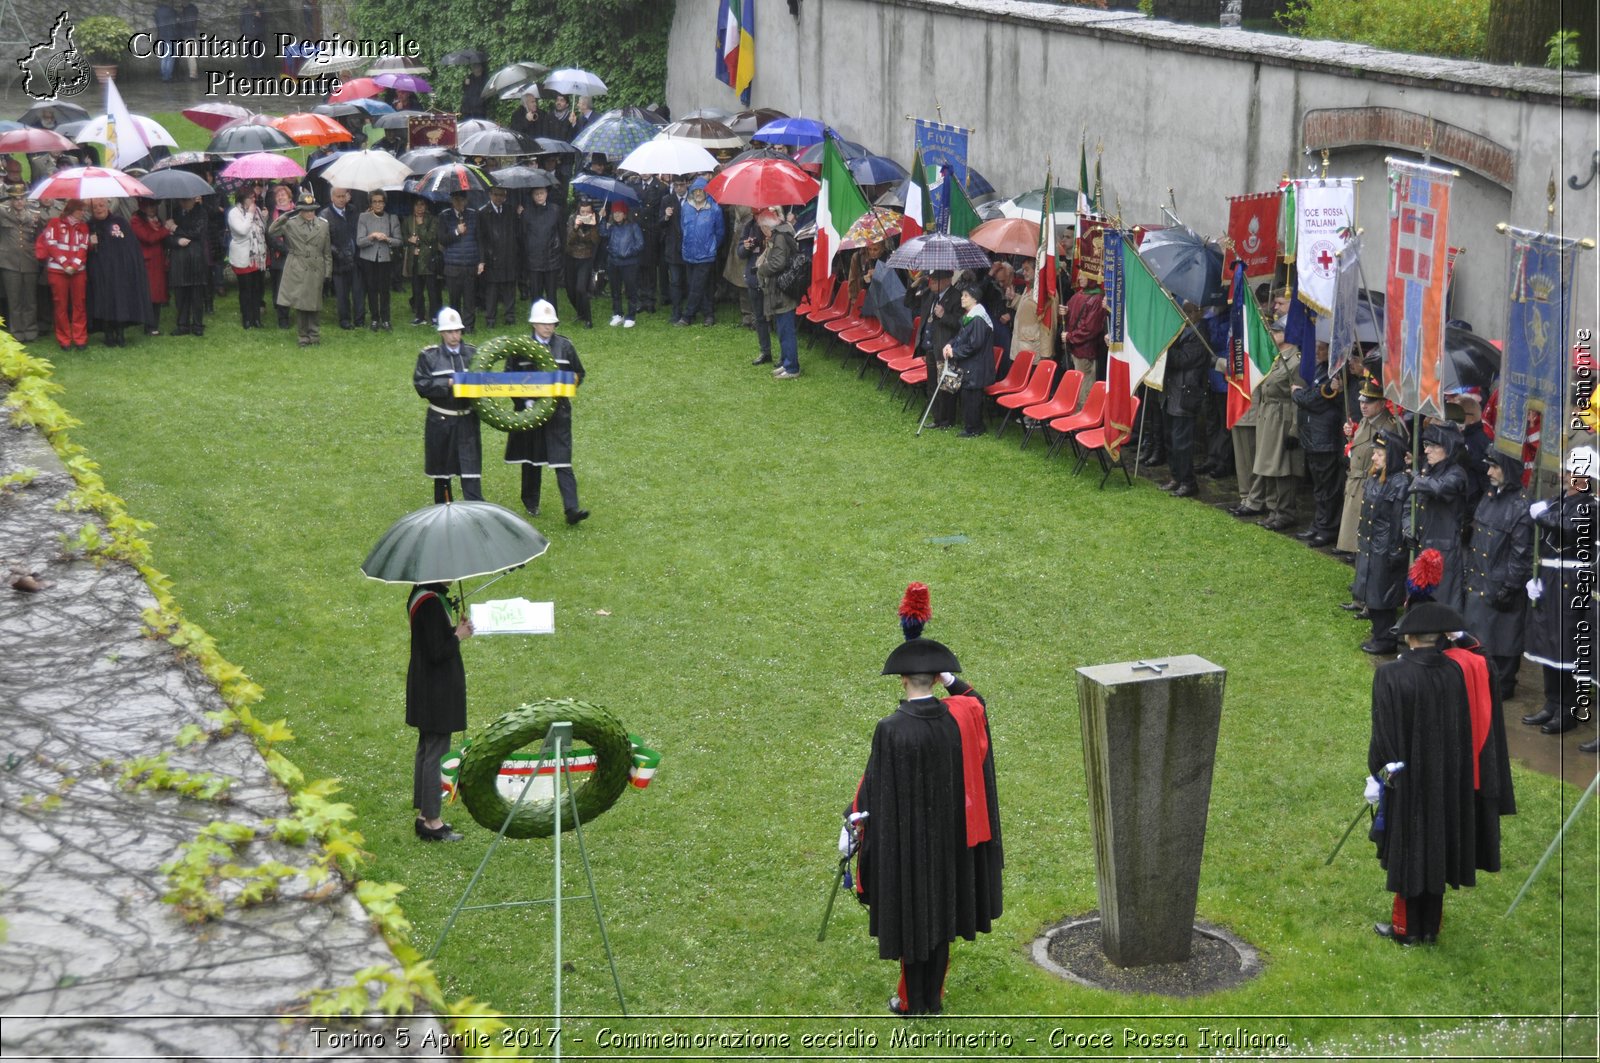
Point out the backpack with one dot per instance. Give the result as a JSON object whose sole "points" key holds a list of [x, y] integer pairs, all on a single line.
{"points": [[796, 275]]}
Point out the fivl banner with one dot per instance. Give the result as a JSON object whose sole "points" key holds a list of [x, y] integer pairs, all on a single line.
{"points": [[944, 145], [1093, 237], [1252, 234], [1325, 210], [431, 131], [1538, 317], [1342, 338], [1413, 305]]}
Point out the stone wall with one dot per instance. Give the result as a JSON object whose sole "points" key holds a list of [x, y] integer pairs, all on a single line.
{"points": [[1204, 111]]}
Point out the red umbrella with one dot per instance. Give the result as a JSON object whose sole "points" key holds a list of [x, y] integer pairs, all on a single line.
{"points": [[762, 183], [90, 182], [31, 141], [356, 89], [1007, 236], [214, 116], [306, 128]]}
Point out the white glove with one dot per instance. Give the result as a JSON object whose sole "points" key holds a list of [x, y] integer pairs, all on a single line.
{"points": [[846, 835], [947, 678], [1538, 508], [1535, 589], [844, 841], [1393, 766], [1374, 788]]}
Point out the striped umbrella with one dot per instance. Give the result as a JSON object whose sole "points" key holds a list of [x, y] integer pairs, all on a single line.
{"points": [[939, 251], [440, 181], [89, 182], [615, 137], [263, 166]]}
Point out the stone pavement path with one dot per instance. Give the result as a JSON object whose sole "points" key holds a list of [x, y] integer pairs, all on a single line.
{"points": [[93, 964]]}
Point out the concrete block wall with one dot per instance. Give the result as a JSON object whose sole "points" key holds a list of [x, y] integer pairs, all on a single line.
{"points": [[1204, 111]]}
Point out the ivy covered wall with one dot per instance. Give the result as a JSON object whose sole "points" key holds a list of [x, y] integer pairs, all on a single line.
{"points": [[623, 41]]}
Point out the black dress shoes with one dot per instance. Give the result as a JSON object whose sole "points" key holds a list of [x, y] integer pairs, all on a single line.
{"points": [[1379, 649], [1245, 511], [442, 833], [576, 515], [1544, 715], [763, 360], [1562, 725], [1386, 930], [1352, 607], [1318, 540], [1170, 485], [1188, 490], [1591, 746]]}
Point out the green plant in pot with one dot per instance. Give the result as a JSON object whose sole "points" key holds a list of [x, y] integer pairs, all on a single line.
{"points": [[103, 39]]}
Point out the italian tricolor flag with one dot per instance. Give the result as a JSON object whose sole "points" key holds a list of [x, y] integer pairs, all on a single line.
{"points": [[919, 204], [839, 204], [1251, 349], [1149, 319]]}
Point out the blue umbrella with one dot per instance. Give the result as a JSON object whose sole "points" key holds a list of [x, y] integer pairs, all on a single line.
{"points": [[1184, 264], [607, 188], [797, 131], [374, 108], [876, 170]]}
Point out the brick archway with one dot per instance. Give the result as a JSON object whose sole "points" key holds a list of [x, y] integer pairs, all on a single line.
{"points": [[1341, 127]]}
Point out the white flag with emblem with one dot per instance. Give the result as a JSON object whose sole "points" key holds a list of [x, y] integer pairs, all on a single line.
{"points": [[1325, 210], [125, 141]]}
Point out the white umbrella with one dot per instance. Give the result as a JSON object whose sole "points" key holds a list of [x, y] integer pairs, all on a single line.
{"points": [[366, 171], [89, 182], [97, 130], [396, 64], [1009, 209], [335, 61], [576, 82], [669, 156]]}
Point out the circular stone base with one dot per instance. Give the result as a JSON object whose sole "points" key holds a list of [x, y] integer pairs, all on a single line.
{"points": [[1219, 960]]}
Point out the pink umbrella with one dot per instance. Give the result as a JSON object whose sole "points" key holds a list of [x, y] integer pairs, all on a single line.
{"points": [[90, 182], [30, 141], [214, 116], [403, 82], [262, 166], [356, 89]]}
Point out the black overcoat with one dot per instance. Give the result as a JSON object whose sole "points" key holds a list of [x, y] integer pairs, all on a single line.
{"points": [[1380, 581], [118, 287], [550, 443], [1563, 621], [1441, 514], [1499, 564], [436, 679]]}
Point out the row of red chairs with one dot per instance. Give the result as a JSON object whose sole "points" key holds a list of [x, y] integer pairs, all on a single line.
{"points": [[1029, 388]]}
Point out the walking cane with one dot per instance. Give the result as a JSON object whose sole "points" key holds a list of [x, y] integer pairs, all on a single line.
{"points": [[938, 389]]}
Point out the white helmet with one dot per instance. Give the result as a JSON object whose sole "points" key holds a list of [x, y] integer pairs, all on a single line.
{"points": [[1583, 461], [542, 313], [450, 320]]}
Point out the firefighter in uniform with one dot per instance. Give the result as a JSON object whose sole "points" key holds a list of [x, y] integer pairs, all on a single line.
{"points": [[550, 443], [450, 442]]}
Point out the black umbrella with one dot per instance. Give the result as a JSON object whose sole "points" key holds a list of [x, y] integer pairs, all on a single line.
{"points": [[396, 119], [48, 114], [186, 158], [512, 75], [465, 57], [522, 177], [453, 542], [547, 146], [758, 153], [338, 110], [497, 143], [244, 139], [176, 184], [1469, 359], [421, 160], [1184, 264]]}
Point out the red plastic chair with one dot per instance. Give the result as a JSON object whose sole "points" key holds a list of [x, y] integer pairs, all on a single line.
{"points": [[1015, 380], [1063, 402], [913, 379], [836, 309], [1037, 391], [815, 296], [850, 320], [1091, 415], [1095, 440]]}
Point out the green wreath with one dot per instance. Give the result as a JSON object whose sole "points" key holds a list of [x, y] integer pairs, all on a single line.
{"points": [[502, 413], [526, 724]]}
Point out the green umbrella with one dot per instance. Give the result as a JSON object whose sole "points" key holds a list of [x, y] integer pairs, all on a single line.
{"points": [[452, 542]]}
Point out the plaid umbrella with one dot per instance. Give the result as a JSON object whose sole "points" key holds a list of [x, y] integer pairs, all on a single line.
{"points": [[939, 251], [614, 137]]}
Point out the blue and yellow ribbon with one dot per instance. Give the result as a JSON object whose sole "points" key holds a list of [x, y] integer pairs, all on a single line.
{"points": [[559, 384]]}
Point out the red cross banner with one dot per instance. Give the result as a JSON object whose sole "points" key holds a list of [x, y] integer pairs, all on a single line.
{"points": [[1325, 209], [1252, 234], [1419, 223]]}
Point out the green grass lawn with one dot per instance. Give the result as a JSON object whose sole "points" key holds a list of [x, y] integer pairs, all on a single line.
{"points": [[732, 600]]}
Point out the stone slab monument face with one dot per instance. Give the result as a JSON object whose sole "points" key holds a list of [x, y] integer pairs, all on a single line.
{"points": [[1149, 742]]}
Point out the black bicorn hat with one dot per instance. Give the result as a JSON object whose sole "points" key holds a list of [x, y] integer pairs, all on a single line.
{"points": [[1430, 618], [921, 656]]}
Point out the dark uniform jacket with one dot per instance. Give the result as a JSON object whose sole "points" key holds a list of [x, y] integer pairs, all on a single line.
{"points": [[1562, 625], [550, 443], [436, 679], [1321, 419], [1498, 566], [1441, 513], [1381, 542], [450, 443]]}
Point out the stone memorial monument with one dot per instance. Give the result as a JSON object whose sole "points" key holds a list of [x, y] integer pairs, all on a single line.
{"points": [[1149, 741]]}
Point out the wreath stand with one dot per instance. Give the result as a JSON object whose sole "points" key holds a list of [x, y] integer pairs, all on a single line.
{"points": [[557, 741]]}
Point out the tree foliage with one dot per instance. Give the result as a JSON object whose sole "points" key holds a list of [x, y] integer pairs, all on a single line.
{"points": [[1455, 28], [623, 41]]}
